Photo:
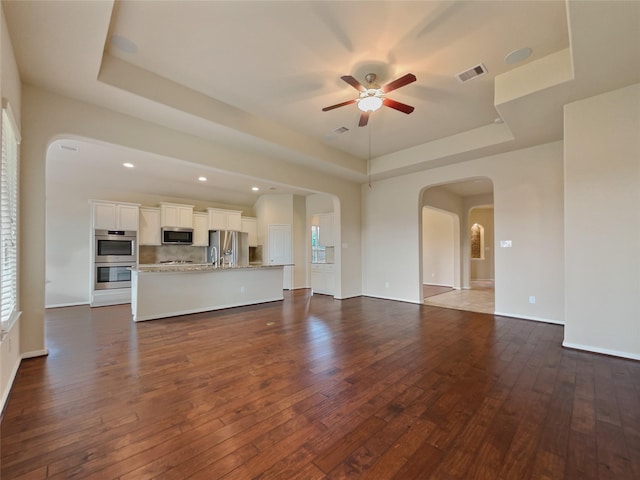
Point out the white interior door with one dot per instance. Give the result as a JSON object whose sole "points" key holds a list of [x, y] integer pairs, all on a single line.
{"points": [[280, 251]]}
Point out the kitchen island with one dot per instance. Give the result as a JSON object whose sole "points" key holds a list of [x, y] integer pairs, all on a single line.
{"points": [[159, 291]]}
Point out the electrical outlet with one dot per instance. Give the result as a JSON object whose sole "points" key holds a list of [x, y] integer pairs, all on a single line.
{"points": [[387, 284], [532, 299], [241, 289]]}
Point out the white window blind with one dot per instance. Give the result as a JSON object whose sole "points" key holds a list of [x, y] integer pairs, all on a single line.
{"points": [[9, 219]]}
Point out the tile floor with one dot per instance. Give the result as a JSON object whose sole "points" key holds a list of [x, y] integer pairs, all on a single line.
{"points": [[479, 298]]}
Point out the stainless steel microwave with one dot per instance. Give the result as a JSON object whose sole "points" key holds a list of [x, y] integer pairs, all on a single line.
{"points": [[177, 236]]}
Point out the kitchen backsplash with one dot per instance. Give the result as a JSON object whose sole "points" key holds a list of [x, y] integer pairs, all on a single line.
{"points": [[166, 253]]}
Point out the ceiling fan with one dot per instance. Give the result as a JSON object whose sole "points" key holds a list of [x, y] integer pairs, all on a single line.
{"points": [[373, 96]]}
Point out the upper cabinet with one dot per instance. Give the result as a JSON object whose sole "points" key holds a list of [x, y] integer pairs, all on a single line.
{"points": [[175, 215], [220, 219], [250, 226], [149, 233], [114, 216], [325, 222], [200, 229]]}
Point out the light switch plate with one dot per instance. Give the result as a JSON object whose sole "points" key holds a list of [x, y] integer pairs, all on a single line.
{"points": [[505, 243]]}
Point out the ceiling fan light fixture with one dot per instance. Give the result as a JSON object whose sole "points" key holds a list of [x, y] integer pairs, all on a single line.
{"points": [[369, 103], [373, 96]]}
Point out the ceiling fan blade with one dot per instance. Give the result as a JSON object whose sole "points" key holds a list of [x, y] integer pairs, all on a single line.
{"points": [[364, 119], [398, 82], [402, 107], [348, 102], [353, 82]]}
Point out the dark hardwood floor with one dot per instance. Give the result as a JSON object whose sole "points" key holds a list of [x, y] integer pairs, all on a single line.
{"points": [[317, 388]]}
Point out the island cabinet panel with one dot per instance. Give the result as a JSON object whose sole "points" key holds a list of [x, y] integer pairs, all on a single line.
{"points": [[175, 215], [200, 229], [160, 294], [114, 216], [149, 233]]}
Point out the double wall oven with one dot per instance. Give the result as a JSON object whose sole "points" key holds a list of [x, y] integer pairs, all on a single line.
{"points": [[115, 252]]}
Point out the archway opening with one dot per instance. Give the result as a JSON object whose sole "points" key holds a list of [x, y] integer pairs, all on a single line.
{"points": [[457, 246]]}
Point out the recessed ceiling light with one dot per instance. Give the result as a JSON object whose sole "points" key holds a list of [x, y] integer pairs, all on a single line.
{"points": [[202, 179], [124, 44], [518, 55], [255, 189], [128, 165]]}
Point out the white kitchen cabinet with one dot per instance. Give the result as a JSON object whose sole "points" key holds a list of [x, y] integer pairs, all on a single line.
{"points": [[149, 233], [200, 229], [220, 219], [175, 215], [323, 278], [234, 221], [325, 222], [114, 216], [250, 226]]}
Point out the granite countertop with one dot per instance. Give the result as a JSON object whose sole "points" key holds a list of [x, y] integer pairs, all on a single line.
{"points": [[193, 267]]}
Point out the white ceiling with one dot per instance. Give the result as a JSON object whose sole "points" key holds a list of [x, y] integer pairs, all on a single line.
{"points": [[73, 161], [283, 60], [258, 73]]}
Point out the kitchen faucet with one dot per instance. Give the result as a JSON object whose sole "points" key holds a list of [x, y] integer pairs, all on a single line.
{"points": [[214, 259]]}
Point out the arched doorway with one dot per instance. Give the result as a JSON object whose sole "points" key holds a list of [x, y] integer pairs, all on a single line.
{"points": [[458, 217]]}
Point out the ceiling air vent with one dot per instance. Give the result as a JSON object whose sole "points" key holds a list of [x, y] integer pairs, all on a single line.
{"points": [[471, 73], [341, 130]]}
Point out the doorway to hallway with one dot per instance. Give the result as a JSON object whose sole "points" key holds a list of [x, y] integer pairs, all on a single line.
{"points": [[457, 255]]}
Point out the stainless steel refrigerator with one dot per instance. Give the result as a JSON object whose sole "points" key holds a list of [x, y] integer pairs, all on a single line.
{"points": [[228, 248]]}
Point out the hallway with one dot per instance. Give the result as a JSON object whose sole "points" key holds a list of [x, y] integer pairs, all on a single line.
{"points": [[479, 298]]}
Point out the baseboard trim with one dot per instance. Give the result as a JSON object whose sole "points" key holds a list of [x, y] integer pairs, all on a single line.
{"points": [[35, 353], [12, 377], [526, 317], [438, 285], [347, 296], [603, 351], [394, 299], [61, 305]]}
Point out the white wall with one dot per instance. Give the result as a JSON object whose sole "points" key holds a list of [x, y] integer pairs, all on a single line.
{"points": [[602, 223], [319, 204], [301, 239], [10, 90], [273, 209], [438, 247], [442, 199], [528, 210], [277, 209]]}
